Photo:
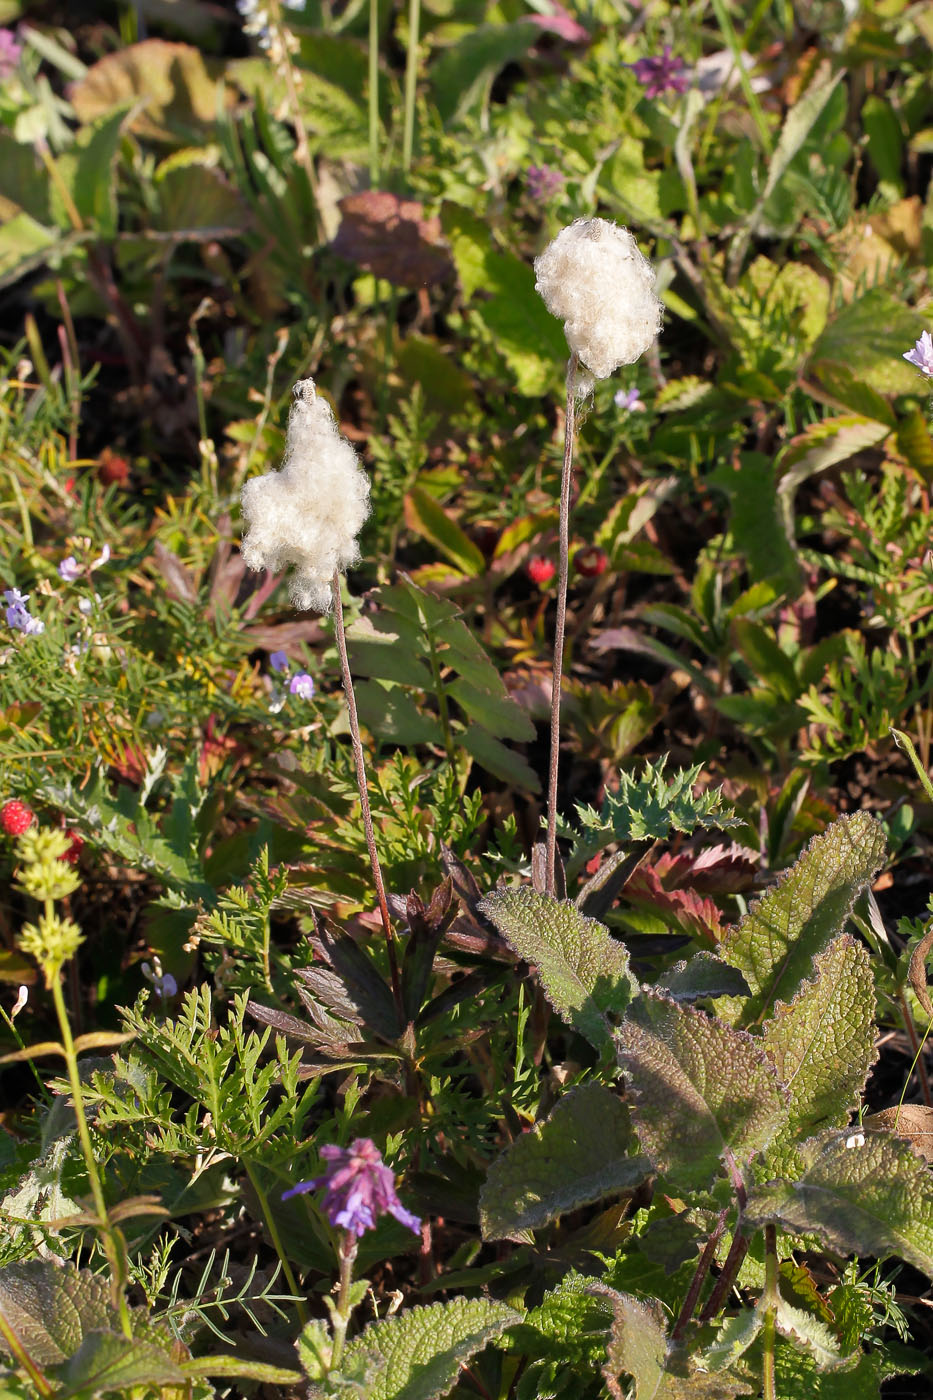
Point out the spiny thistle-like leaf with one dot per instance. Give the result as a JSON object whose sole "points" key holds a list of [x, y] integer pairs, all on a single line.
{"points": [[810, 1334], [862, 1192], [783, 931], [649, 808], [822, 1043], [699, 1087], [417, 1355], [577, 1155], [584, 971]]}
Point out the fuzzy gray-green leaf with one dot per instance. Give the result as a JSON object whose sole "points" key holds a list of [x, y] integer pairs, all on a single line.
{"points": [[822, 1043], [775, 943], [577, 1155], [583, 970], [699, 1088], [863, 1192], [417, 1355]]}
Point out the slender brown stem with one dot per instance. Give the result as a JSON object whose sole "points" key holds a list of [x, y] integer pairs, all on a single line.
{"points": [[361, 783], [566, 480], [737, 1252], [696, 1283], [768, 1338]]}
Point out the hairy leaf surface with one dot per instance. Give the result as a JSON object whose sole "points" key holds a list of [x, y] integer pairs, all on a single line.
{"points": [[862, 1192], [780, 935], [577, 1155], [583, 970], [822, 1043], [700, 1088]]}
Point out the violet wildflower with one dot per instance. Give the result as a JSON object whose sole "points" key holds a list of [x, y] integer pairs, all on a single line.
{"points": [[922, 355], [18, 615], [10, 53], [543, 182], [163, 983], [629, 400], [661, 74], [359, 1188], [69, 569], [301, 684], [278, 660]]}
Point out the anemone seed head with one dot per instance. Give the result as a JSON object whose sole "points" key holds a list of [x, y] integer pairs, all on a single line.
{"points": [[308, 514], [593, 276]]}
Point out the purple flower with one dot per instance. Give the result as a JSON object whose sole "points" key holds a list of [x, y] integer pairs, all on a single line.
{"points": [[922, 354], [10, 52], [629, 400], [660, 75], [544, 182], [359, 1188], [301, 684], [278, 660], [18, 615], [163, 983], [69, 569]]}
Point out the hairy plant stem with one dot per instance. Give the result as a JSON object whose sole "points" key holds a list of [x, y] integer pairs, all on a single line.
{"points": [[342, 1310], [360, 764], [768, 1331], [110, 1237], [373, 95], [737, 1252], [287, 71], [411, 81], [21, 1355], [560, 625], [277, 1244], [696, 1283]]}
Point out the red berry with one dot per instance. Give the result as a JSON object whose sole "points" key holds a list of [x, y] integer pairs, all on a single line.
{"points": [[540, 570], [112, 470], [591, 562], [16, 817], [73, 853]]}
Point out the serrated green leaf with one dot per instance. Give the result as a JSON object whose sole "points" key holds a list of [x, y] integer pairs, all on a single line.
{"points": [[822, 445], [798, 1378], [639, 1347], [699, 1088], [703, 975], [584, 971], [822, 1043], [755, 519], [490, 753], [809, 1333], [869, 336], [497, 713], [569, 1324], [862, 1192], [733, 1339], [578, 1155], [51, 1308], [774, 944], [419, 1353], [108, 1361]]}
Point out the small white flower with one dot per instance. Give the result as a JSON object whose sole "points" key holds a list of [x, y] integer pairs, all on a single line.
{"points": [[594, 278], [308, 514], [22, 997], [102, 558]]}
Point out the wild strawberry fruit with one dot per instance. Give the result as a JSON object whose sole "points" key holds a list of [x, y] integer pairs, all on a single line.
{"points": [[73, 853], [591, 562], [540, 570], [16, 817], [112, 469]]}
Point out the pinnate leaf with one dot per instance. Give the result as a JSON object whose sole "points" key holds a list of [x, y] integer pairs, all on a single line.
{"points": [[583, 970], [417, 1355], [783, 931], [822, 1043], [699, 1088], [862, 1192], [577, 1155]]}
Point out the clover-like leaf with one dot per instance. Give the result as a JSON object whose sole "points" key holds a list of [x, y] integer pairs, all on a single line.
{"points": [[417, 1355], [579, 1154], [862, 1192], [775, 943], [822, 1043], [700, 1088], [584, 971]]}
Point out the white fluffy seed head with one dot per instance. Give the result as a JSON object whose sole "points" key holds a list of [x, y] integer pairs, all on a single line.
{"points": [[309, 514], [594, 278]]}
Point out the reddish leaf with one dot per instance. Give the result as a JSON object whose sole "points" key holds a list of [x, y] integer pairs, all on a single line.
{"points": [[391, 238]]}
